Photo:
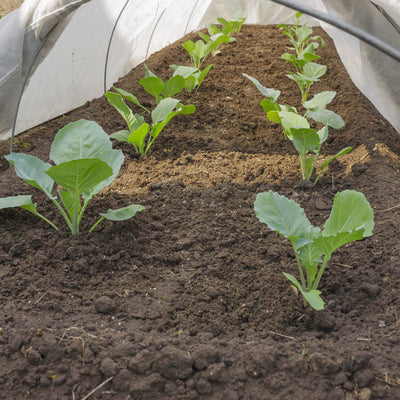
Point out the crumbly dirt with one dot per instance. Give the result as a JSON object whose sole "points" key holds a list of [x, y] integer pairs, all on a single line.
{"points": [[187, 300]]}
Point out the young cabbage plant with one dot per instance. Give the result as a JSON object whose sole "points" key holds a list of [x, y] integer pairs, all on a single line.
{"points": [[306, 140], [85, 163], [351, 219], [191, 76], [155, 86], [304, 46], [228, 27], [141, 134], [200, 50]]}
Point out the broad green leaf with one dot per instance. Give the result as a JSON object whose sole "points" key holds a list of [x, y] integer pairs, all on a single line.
{"points": [[312, 297], [189, 46], [350, 212], [78, 176], [184, 71], [309, 56], [273, 116], [79, 140], [128, 96], [303, 33], [314, 71], [152, 85], [320, 101], [269, 105], [212, 29], [18, 201], [327, 117], [291, 120], [123, 213], [305, 140], [267, 92], [163, 109], [284, 216], [116, 100], [173, 86], [137, 137], [326, 245], [289, 57], [33, 171], [182, 109], [114, 159], [121, 136]]}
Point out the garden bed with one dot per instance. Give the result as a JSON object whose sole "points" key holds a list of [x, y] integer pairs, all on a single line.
{"points": [[187, 300]]}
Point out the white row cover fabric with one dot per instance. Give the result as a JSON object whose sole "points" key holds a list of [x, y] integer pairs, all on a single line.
{"points": [[70, 69]]}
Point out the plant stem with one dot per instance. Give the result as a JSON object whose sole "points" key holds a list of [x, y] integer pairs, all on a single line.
{"points": [[320, 272], [94, 226], [45, 219], [303, 282], [63, 213]]}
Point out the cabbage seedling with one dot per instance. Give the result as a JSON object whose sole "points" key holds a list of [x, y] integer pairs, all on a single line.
{"points": [[85, 163], [228, 27], [192, 76], [351, 219], [306, 140], [160, 89], [200, 50], [304, 46], [141, 134]]}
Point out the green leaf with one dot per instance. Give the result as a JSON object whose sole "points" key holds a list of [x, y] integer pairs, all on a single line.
{"points": [[33, 171], [78, 176], [123, 213], [340, 153], [285, 217], [312, 297], [68, 201], [326, 245], [271, 93], [17, 201], [163, 109], [121, 136], [291, 120], [320, 101], [270, 105], [79, 140], [148, 72], [128, 96], [116, 100], [314, 71], [152, 85], [114, 159], [173, 86], [305, 140], [323, 134], [350, 212], [183, 70], [138, 137], [327, 117], [203, 74], [181, 109], [303, 33]]}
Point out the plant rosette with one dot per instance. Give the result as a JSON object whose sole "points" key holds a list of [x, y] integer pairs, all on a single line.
{"points": [[85, 163], [351, 218]]}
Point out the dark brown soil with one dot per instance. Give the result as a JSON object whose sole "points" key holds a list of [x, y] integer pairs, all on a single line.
{"points": [[187, 300]]}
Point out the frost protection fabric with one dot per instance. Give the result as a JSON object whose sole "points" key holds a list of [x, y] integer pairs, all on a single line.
{"points": [[22, 33]]}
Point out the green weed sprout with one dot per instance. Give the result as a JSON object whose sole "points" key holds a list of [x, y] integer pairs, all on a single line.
{"points": [[351, 219], [85, 163]]}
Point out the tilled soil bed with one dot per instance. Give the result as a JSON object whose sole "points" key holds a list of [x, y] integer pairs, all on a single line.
{"points": [[187, 300]]}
